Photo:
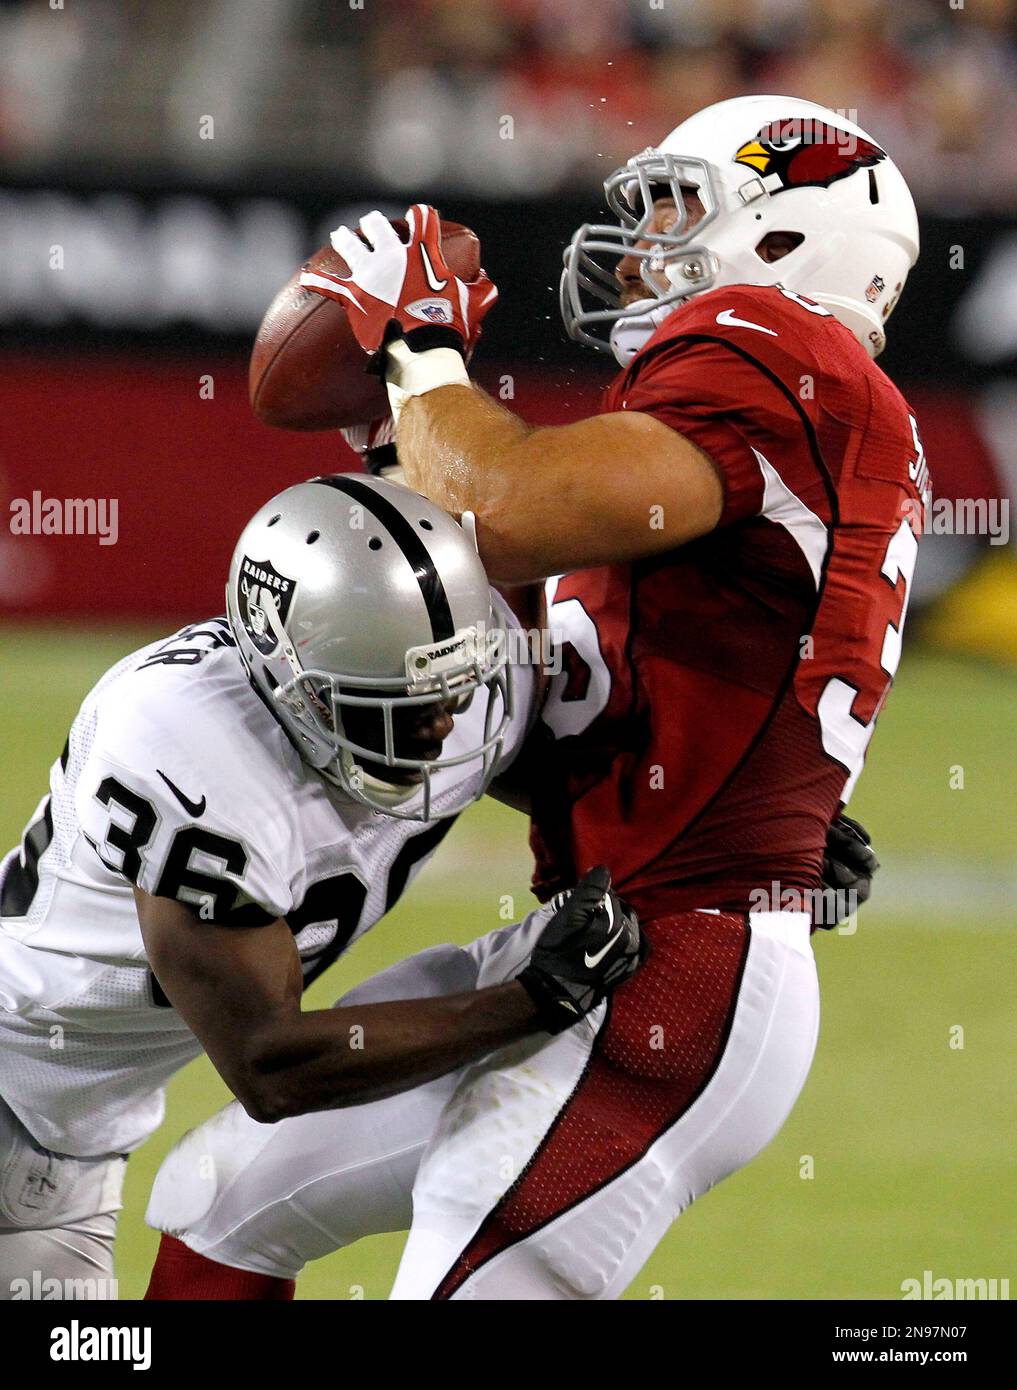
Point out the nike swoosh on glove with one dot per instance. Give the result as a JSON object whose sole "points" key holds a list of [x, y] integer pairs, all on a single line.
{"points": [[399, 288], [589, 946], [417, 320]]}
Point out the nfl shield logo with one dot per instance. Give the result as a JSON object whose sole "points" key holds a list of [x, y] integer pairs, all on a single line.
{"points": [[258, 586], [433, 310], [876, 288]]}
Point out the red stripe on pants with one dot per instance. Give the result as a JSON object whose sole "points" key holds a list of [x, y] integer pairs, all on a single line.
{"points": [[661, 1043]]}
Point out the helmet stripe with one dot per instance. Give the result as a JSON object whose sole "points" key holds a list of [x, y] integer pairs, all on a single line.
{"points": [[409, 542]]}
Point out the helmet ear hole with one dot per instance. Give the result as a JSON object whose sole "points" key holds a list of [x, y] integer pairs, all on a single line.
{"points": [[776, 245]]}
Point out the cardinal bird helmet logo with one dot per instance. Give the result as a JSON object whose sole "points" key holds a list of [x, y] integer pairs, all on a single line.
{"points": [[803, 153]]}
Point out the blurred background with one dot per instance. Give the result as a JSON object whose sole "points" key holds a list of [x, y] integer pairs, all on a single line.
{"points": [[165, 168]]}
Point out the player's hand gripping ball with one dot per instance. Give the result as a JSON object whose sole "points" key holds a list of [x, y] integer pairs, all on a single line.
{"points": [[307, 370], [404, 289]]}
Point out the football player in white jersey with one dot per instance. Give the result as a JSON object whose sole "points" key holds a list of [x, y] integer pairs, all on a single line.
{"points": [[234, 807]]}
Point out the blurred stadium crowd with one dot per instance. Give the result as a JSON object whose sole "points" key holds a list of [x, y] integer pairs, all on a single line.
{"points": [[403, 93], [152, 148]]}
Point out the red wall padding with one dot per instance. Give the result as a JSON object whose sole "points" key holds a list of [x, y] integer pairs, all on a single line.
{"points": [[187, 473]]}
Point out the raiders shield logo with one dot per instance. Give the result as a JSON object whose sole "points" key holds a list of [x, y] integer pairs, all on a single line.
{"points": [[259, 585]]}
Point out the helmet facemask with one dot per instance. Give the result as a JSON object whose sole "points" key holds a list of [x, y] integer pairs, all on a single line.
{"points": [[677, 255], [450, 671]]}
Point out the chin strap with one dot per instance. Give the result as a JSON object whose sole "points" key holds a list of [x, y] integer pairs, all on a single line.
{"points": [[387, 793], [629, 335], [282, 637]]}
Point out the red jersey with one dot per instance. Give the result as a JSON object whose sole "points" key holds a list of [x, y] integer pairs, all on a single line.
{"points": [[716, 701]]}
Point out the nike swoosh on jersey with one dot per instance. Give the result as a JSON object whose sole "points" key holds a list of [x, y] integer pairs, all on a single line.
{"points": [[432, 279], [195, 808], [729, 320], [593, 960]]}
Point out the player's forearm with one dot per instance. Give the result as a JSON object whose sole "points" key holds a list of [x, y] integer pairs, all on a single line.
{"points": [[336, 1057], [605, 490], [466, 453], [460, 448]]}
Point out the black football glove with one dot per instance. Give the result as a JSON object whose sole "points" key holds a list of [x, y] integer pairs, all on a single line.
{"points": [[374, 444], [848, 866], [590, 945], [382, 460]]}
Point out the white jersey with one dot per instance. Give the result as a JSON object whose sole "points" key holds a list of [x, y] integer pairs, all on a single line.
{"points": [[177, 778]]}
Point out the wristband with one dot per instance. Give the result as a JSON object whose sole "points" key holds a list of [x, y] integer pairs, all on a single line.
{"points": [[409, 373], [556, 1010]]}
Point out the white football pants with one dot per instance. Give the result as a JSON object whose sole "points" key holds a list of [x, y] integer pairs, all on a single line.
{"points": [[57, 1218], [550, 1170]]}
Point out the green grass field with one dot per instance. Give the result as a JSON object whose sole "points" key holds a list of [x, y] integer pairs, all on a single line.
{"points": [[910, 1138]]}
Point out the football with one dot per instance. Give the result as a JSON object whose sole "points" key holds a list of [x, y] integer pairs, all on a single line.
{"points": [[308, 372]]}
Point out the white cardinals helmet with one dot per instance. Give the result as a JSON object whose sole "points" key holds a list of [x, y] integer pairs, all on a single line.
{"points": [[759, 164]]}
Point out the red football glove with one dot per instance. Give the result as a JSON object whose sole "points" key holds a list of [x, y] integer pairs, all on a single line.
{"points": [[398, 289]]}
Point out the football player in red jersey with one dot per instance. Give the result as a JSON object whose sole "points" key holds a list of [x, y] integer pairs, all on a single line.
{"points": [[727, 550]]}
